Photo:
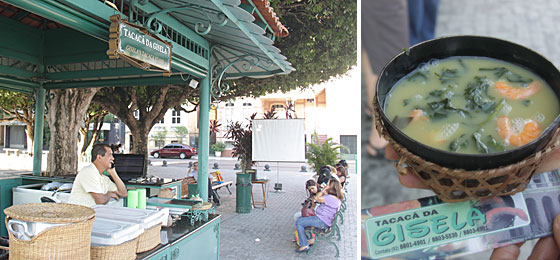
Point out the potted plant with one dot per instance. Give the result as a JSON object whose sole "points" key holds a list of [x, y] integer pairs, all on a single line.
{"points": [[242, 137], [242, 148], [218, 148], [319, 155]]}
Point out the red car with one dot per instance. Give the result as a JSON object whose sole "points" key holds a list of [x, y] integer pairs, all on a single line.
{"points": [[174, 150]]}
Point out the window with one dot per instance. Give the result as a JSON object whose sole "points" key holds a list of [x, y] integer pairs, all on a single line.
{"points": [[136, 114], [159, 143], [229, 104], [162, 120], [350, 142], [176, 117], [276, 107], [247, 104], [309, 100]]}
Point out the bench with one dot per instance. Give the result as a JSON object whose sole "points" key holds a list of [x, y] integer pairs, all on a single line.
{"points": [[333, 231], [185, 186], [327, 234], [216, 185], [12, 150]]}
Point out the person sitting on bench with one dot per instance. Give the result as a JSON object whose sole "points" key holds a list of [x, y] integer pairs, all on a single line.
{"points": [[330, 199], [193, 172]]}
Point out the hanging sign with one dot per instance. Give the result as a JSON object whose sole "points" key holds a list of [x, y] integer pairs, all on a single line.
{"points": [[137, 46]]}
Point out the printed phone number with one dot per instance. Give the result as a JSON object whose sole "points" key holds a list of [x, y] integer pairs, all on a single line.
{"points": [[475, 230], [412, 244], [445, 236]]}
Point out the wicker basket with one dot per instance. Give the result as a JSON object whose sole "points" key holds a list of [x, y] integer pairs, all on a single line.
{"points": [[454, 185], [202, 206], [149, 239], [70, 241], [124, 251]]}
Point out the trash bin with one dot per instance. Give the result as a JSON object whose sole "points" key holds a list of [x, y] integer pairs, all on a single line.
{"points": [[243, 193]]}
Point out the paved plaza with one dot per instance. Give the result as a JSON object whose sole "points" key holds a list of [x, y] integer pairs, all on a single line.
{"points": [[268, 233], [261, 234], [529, 23]]}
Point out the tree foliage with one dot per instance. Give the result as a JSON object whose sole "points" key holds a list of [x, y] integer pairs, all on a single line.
{"points": [[94, 115], [322, 44], [181, 132], [17, 106], [242, 137], [321, 154], [160, 136], [151, 102]]}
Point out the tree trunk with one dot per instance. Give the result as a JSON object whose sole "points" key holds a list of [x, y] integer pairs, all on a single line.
{"points": [[140, 137], [29, 131], [66, 114], [81, 143]]}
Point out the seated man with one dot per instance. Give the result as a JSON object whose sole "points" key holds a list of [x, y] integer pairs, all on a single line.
{"points": [[193, 172], [91, 187]]}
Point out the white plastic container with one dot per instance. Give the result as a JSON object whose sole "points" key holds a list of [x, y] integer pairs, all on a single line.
{"points": [[143, 217], [109, 232], [32, 193], [24, 230]]}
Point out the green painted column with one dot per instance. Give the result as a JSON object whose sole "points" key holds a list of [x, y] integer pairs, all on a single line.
{"points": [[203, 137], [38, 135]]}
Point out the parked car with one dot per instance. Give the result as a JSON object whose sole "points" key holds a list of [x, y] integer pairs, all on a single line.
{"points": [[174, 150]]}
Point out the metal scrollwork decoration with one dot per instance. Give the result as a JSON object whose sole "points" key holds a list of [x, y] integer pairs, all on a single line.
{"points": [[242, 63], [202, 28], [217, 230], [48, 97]]}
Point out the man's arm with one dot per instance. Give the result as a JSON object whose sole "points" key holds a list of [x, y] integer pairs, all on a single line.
{"points": [[101, 198], [121, 189]]}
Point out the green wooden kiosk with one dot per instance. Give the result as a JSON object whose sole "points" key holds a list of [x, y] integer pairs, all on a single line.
{"points": [[59, 44]]}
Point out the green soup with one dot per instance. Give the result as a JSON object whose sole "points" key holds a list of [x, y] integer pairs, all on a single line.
{"points": [[472, 105]]}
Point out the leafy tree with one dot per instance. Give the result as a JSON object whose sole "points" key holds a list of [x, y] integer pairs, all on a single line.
{"points": [[94, 115], [181, 132], [159, 136], [18, 106], [214, 126], [322, 44], [67, 110], [151, 102]]}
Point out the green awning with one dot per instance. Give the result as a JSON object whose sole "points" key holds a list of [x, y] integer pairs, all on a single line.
{"points": [[221, 36]]}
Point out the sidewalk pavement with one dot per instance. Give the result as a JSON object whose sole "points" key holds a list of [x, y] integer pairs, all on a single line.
{"points": [[267, 233], [529, 23], [263, 233]]}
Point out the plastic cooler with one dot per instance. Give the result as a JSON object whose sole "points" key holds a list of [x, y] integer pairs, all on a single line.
{"points": [[149, 221], [111, 239]]}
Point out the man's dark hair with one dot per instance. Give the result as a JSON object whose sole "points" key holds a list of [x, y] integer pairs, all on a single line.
{"points": [[324, 175], [98, 149]]}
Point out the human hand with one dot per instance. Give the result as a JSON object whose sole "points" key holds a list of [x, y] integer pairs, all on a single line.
{"points": [[112, 171], [113, 195], [551, 162], [546, 248]]}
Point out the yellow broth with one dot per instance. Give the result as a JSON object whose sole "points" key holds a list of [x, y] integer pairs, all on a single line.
{"points": [[472, 105]]}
